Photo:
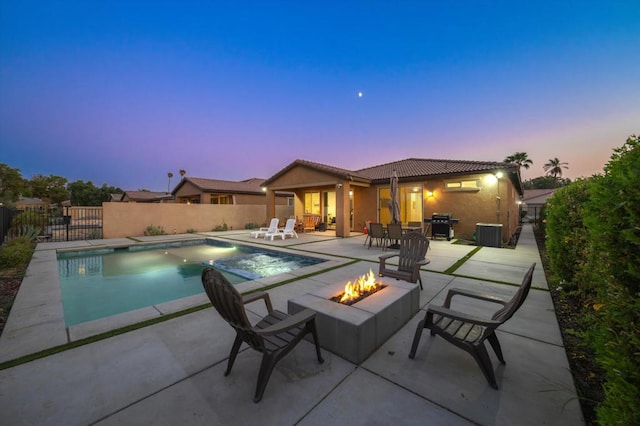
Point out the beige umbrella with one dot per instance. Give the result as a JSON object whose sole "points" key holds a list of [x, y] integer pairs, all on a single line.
{"points": [[394, 203]]}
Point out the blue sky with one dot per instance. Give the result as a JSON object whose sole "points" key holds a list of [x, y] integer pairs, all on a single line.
{"points": [[123, 92]]}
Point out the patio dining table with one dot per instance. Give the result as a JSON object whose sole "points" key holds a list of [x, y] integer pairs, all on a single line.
{"points": [[405, 230]]}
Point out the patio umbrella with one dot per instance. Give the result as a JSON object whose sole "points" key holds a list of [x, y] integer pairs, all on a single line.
{"points": [[394, 203]]}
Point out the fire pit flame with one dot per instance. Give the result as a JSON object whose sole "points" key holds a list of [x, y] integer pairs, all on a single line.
{"points": [[362, 287]]}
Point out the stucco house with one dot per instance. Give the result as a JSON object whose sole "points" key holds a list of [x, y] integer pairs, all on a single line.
{"points": [[533, 200], [193, 190], [472, 191]]}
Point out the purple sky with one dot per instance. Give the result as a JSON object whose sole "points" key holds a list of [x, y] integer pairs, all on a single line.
{"points": [[123, 92]]}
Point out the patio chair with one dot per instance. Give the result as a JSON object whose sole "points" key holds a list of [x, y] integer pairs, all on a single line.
{"points": [[310, 221], [469, 332], [288, 230], [376, 231], [394, 233], [274, 336], [273, 227], [413, 249]]}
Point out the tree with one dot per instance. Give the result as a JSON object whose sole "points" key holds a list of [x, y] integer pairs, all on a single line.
{"points": [[554, 168], [51, 188], [169, 175], [545, 182], [519, 158], [87, 194], [12, 185]]}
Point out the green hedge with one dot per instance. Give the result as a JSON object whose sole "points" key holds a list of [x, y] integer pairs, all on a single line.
{"points": [[593, 241]]}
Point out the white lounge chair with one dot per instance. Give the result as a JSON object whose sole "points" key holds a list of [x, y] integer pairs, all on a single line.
{"points": [[289, 229], [283, 232], [262, 232]]}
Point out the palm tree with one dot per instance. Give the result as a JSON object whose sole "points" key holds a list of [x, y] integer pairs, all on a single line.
{"points": [[554, 168], [519, 158], [169, 175]]}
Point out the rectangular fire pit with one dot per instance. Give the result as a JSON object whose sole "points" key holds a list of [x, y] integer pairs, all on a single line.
{"points": [[354, 332]]}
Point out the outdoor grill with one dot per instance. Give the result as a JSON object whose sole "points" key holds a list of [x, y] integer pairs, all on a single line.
{"points": [[442, 225]]}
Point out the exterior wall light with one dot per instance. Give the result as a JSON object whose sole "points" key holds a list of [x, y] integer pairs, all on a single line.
{"points": [[429, 193]]}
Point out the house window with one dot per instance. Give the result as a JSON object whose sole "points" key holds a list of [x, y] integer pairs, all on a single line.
{"points": [[221, 199], [462, 185], [312, 203]]}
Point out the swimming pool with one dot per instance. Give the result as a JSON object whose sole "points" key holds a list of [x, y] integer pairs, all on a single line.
{"points": [[100, 283]]}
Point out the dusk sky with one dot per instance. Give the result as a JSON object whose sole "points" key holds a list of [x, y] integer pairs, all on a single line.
{"points": [[123, 92]]}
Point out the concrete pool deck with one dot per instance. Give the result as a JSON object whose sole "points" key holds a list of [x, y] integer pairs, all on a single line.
{"points": [[172, 372]]}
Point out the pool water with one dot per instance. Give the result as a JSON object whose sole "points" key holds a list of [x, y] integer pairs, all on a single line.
{"points": [[101, 283]]}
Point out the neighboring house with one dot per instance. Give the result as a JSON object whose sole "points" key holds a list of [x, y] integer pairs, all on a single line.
{"points": [[144, 197], [26, 203], [193, 190], [115, 198], [469, 190], [532, 202]]}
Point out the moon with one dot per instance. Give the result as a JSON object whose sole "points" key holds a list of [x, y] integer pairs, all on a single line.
{"points": [[359, 94]]}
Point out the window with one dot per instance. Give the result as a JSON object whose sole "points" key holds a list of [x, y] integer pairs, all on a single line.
{"points": [[221, 199], [312, 202], [462, 185]]}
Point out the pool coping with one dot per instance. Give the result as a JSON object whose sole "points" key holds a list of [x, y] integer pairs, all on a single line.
{"points": [[37, 321]]}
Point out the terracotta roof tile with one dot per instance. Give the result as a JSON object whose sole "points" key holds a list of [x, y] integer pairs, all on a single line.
{"points": [[419, 167]]}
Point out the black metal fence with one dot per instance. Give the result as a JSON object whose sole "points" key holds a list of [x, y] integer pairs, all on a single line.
{"points": [[58, 224]]}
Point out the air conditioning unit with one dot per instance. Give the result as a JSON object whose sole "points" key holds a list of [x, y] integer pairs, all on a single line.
{"points": [[489, 234]]}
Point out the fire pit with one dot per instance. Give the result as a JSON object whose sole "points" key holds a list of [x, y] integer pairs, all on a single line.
{"points": [[362, 288], [355, 331]]}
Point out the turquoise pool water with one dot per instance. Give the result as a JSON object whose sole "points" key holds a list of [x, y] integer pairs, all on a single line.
{"points": [[101, 283]]}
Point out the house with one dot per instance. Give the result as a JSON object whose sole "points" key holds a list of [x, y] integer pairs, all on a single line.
{"points": [[472, 191], [192, 190], [144, 197], [27, 203], [533, 200]]}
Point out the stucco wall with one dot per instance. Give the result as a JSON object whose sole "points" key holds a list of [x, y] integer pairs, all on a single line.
{"points": [[131, 219]]}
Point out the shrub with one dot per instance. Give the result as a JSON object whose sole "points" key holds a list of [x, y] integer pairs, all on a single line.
{"points": [[154, 230], [593, 241], [220, 228], [33, 218], [191, 231], [251, 225], [567, 237], [16, 252], [28, 231], [613, 219]]}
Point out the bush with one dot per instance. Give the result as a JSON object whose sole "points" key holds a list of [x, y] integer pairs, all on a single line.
{"points": [[191, 231], [28, 231], [593, 241], [613, 219], [567, 237], [17, 252], [32, 218], [154, 230], [220, 228]]}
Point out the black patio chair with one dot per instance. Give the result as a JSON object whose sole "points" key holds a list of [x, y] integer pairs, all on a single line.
{"points": [[469, 332], [413, 249], [275, 335]]}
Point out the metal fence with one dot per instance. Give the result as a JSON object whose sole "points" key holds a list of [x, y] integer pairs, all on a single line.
{"points": [[58, 224]]}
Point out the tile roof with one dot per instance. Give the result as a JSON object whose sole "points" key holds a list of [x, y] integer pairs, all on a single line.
{"points": [[248, 186], [146, 195], [407, 170], [420, 167]]}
